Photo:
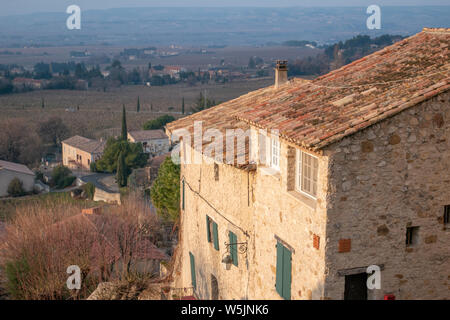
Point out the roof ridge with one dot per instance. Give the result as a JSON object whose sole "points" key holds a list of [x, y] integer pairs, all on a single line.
{"points": [[436, 30]]}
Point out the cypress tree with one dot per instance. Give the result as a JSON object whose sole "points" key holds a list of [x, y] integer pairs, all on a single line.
{"points": [[124, 125], [151, 106], [182, 106], [121, 171], [42, 103], [138, 108]]}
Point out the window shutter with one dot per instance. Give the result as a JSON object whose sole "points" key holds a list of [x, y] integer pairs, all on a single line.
{"points": [[216, 236], [299, 168], [233, 248], [208, 229], [279, 275], [287, 274], [193, 279], [182, 200]]}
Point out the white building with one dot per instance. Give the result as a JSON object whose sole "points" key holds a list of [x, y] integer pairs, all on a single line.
{"points": [[154, 142], [11, 170]]}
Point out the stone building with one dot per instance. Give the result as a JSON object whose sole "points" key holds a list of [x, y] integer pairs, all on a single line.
{"points": [[337, 174], [10, 171], [154, 142], [79, 152]]}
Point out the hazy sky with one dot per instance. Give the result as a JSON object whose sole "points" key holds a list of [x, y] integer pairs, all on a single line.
{"points": [[8, 7]]}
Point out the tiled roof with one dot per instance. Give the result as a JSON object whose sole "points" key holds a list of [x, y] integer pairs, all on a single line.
{"points": [[359, 94], [17, 167], [144, 135], [316, 113], [85, 144]]}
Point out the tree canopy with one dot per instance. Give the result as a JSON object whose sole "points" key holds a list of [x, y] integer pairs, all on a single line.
{"points": [[203, 103], [124, 134], [53, 130], [132, 152], [165, 192], [158, 123]]}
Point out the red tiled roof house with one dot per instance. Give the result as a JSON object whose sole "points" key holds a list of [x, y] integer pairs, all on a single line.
{"points": [[357, 177]]}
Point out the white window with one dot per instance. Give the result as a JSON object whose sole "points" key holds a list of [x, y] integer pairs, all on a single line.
{"points": [[307, 172], [275, 153]]}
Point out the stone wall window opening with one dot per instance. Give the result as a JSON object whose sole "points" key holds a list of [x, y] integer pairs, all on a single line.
{"points": [[307, 170], [216, 172], [209, 229], [275, 153], [446, 214], [412, 236], [214, 288]]}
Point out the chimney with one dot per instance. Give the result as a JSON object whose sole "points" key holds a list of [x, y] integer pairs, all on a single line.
{"points": [[281, 72]]}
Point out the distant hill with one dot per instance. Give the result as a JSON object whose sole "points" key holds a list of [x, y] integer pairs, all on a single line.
{"points": [[341, 53], [214, 26]]}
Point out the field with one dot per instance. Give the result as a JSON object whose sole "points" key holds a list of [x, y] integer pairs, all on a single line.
{"points": [[190, 57], [8, 207], [99, 112]]}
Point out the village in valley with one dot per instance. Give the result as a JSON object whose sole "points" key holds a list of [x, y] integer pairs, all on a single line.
{"points": [[300, 170]]}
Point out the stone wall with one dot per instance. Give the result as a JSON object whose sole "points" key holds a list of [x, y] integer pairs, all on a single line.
{"points": [[384, 179], [371, 187], [259, 208], [108, 197], [226, 201]]}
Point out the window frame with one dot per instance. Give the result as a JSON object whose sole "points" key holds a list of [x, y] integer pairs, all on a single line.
{"points": [[278, 155], [446, 217], [299, 161], [412, 236]]}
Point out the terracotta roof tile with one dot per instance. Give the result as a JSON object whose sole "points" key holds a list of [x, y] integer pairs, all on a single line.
{"points": [[314, 114], [86, 144], [143, 135]]}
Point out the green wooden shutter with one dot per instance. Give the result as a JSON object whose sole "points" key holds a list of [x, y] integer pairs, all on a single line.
{"points": [[279, 274], [216, 236], [233, 248], [287, 274], [208, 229], [193, 278], [182, 200]]}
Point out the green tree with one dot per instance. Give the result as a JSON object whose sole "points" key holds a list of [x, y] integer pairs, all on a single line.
{"points": [[251, 63], [89, 189], [165, 191], [158, 123], [122, 174], [203, 103], [138, 107], [62, 177], [15, 188], [132, 152], [182, 106], [124, 135], [42, 103]]}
